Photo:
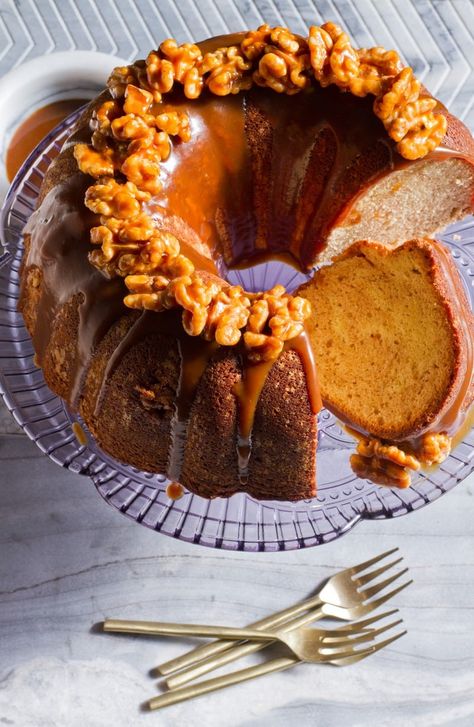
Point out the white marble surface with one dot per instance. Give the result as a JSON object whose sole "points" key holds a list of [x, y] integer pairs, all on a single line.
{"points": [[67, 560]]}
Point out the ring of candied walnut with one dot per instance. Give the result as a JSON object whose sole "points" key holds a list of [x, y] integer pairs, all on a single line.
{"points": [[131, 135]]}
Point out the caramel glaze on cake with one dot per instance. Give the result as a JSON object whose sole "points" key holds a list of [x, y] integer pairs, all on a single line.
{"points": [[263, 173]]}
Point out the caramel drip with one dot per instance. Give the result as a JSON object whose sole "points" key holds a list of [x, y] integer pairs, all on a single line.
{"points": [[98, 312], [135, 333], [174, 491], [250, 387], [195, 355], [80, 434], [247, 392], [302, 345]]}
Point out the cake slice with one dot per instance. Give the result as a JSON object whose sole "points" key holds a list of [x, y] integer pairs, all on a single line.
{"points": [[392, 332]]}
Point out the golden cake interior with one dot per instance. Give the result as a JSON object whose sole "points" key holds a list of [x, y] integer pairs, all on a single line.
{"points": [[384, 339]]}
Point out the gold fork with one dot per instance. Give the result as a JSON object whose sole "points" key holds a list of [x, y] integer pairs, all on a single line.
{"points": [[344, 596], [306, 644], [339, 651]]}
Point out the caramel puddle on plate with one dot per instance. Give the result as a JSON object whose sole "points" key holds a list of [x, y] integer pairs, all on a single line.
{"points": [[33, 129]]}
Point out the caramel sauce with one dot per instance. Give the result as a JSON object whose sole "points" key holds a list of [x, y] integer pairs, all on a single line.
{"points": [[31, 131], [287, 258], [174, 491], [79, 433], [249, 389]]}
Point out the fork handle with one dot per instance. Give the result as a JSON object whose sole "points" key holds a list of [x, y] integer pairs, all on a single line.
{"points": [[236, 652], [216, 647], [162, 628], [211, 685]]}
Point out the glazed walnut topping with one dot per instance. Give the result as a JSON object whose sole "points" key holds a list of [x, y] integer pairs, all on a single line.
{"points": [[390, 464], [133, 132]]}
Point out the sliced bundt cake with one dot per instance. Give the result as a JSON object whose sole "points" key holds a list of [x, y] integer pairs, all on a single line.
{"points": [[194, 160]]}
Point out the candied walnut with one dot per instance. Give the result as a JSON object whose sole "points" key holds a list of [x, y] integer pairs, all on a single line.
{"points": [[95, 163], [138, 101], [283, 327], [111, 247], [129, 127], [371, 447], [262, 348], [258, 315], [419, 142], [385, 62], [104, 115], [174, 123], [409, 119], [343, 59], [112, 199], [183, 57], [282, 72], [143, 169], [160, 74], [404, 89], [380, 472], [230, 322], [229, 76], [435, 448], [253, 45], [410, 116], [119, 79], [140, 284], [319, 43], [284, 39]]}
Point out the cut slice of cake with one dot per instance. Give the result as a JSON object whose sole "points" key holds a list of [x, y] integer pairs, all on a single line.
{"points": [[392, 333]]}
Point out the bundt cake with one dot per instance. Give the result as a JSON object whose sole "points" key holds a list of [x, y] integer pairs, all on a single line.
{"points": [[208, 156]]}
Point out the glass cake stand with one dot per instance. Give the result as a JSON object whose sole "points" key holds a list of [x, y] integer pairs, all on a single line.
{"points": [[237, 523]]}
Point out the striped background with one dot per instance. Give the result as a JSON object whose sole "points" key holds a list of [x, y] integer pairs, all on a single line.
{"points": [[436, 37]]}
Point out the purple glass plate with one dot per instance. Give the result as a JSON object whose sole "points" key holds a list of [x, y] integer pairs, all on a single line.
{"points": [[238, 523]]}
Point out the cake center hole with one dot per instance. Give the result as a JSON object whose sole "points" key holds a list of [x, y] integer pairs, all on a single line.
{"points": [[264, 272]]}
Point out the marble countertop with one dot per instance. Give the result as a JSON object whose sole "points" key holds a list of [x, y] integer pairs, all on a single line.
{"points": [[67, 560]]}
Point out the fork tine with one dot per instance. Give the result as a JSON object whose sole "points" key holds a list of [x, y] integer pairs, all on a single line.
{"points": [[348, 652], [363, 566], [357, 626], [383, 599], [367, 636], [373, 590], [362, 654], [362, 580]]}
